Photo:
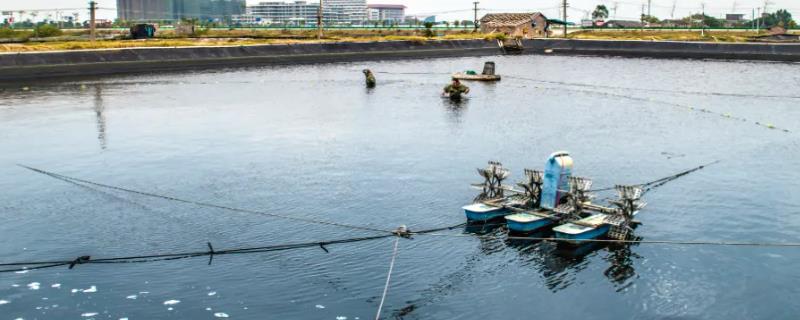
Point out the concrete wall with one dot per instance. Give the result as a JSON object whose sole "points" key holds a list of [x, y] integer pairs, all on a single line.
{"points": [[37, 65], [668, 49]]}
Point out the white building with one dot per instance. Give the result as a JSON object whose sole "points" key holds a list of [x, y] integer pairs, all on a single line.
{"points": [[355, 11], [386, 12], [298, 12]]}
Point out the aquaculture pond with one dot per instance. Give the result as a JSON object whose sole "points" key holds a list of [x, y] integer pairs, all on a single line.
{"points": [[312, 142]]}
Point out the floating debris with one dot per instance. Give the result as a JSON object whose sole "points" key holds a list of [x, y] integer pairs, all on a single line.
{"points": [[212, 293], [91, 289], [2, 302], [55, 286], [22, 271], [319, 306], [89, 314], [221, 315], [34, 285], [132, 297], [171, 302]]}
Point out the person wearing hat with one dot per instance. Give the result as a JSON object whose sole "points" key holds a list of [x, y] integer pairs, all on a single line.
{"points": [[455, 90]]}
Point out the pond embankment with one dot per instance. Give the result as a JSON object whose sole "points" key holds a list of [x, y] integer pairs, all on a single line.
{"points": [[48, 65], [669, 49]]}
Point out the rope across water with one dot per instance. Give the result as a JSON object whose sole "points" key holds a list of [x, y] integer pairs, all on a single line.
{"points": [[199, 203]]}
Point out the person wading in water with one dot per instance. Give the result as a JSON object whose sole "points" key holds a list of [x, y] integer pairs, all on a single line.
{"points": [[370, 78], [455, 90]]}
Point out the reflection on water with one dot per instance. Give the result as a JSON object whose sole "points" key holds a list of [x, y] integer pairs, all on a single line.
{"points": [[621, 271], [99, 109], [560, 263]]}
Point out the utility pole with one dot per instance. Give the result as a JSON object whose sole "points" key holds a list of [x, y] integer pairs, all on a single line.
{"points": [[758, 21], [475, 22], [649, 4], [674, 4], [566, 5], [319, 21], [92, 12], [643, 17], [703, 20]]}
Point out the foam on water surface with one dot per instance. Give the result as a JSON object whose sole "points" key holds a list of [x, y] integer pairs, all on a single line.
{"points": [[171, 302]]}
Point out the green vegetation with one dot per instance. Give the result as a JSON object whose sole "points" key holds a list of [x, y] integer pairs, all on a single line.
{"points": [[428, 31], [600, 13], [667, 35], [780, 17], [8, 33], [46, 30]]}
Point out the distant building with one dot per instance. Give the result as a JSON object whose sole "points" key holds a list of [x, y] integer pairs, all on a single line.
{"points": [[355, 11], [298, 12], [246, 19], [518, 25], [734, 17], [732, 20], [386, 12], [145, 10], [170, 10]]}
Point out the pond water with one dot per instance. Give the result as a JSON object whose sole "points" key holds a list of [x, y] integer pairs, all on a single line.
{"points": [[310, 141]]}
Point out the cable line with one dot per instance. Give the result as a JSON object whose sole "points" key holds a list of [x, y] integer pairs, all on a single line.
{"points": [[648, 186], [211, 252], [198, 203], [388, 279]]}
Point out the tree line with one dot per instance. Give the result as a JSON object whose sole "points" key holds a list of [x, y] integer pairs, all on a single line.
{"points": [[781, 17]]}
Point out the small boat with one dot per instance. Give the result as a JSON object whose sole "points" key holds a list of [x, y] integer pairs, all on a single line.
{"points": [[483, 212], [526, 222], [588, 228], [487, 75]]}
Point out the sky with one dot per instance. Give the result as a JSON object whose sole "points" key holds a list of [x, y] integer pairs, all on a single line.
{"points": [[462, 9]]}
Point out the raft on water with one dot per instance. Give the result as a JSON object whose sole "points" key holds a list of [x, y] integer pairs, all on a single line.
{"points": [[487, 75]]}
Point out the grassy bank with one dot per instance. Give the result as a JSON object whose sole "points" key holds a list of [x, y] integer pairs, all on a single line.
{"points": [[666, 35], [168, 38]]}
